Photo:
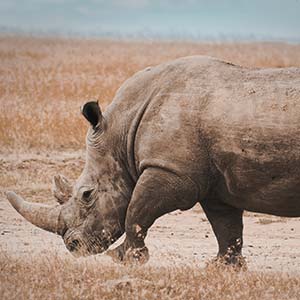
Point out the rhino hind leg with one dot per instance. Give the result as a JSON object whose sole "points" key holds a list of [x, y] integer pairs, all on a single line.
{"points": [[227, 224]]}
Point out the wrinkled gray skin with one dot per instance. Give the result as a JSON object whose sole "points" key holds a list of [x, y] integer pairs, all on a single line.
{"points": [[192, 130]]}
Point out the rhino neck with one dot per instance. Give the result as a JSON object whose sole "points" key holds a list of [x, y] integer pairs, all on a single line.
{"points": [[125, 125]]}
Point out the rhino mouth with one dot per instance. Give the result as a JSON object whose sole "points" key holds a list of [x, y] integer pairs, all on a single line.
{"points": [[80, 245]]}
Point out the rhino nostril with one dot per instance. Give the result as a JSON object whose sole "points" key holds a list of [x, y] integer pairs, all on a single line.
{"points": [[73, 245]]}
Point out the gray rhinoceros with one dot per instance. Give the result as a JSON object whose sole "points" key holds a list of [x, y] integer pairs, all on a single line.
{"points": [[194, 130]]}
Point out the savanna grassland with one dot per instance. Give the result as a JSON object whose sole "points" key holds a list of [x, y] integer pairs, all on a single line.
{"points": [[57, 278], [43, 83]]}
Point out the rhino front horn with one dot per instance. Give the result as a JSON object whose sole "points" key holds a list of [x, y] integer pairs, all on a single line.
{"points": [[40, 215]]}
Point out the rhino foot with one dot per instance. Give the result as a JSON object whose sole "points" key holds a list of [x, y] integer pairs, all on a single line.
{"points": [[130, 256], [235, 262], [137, 255]]}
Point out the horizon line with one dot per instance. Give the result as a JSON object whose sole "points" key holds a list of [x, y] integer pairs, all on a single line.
{"points": [[147, 35]]}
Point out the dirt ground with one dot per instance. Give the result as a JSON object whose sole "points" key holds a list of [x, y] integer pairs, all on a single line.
{"points": [[270, 243], [43, 84]]}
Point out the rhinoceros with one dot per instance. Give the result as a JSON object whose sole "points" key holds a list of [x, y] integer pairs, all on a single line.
{"points": [[194, 130]]}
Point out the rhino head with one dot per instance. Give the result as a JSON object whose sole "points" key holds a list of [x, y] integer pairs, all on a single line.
{"points": [[91, 213]]}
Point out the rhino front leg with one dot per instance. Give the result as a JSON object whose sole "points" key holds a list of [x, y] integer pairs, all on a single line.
{"points": [[157, 192], [227, 224]]}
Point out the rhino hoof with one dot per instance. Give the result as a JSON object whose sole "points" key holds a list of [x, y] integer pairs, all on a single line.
{"points": [[131, 256], [236, 262], [137, 255]]}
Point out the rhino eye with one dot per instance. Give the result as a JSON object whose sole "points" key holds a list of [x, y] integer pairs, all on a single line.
{"points": [[87, 195]]}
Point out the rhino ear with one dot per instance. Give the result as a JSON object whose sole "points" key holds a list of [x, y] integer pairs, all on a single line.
{"points": [[91, 111]]}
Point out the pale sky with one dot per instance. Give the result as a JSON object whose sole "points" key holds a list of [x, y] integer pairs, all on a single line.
{"points": [[200, 19]]}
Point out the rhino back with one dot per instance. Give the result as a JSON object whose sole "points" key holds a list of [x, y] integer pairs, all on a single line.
{"points": [[201, 111], [254, 125]]}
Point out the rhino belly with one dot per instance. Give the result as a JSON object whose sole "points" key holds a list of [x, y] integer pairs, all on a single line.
{"points": [[270, 187]]}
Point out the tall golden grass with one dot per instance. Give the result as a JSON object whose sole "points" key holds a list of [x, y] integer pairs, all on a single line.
{"points": [[44, 81], [53, 277]]}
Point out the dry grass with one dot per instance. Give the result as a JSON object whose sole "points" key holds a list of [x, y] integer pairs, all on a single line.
{"points": [[31, 174], [53, 277], [271, 219], [44, 81]]}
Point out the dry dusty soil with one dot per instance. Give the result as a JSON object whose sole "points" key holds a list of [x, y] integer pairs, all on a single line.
{"points": [[270, 243], [43, 83]]}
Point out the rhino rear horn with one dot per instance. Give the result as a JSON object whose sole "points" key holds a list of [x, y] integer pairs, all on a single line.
{"points": [[91, 111], [61, 189]]}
